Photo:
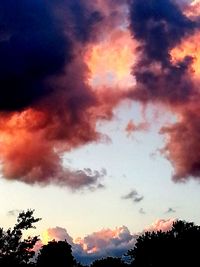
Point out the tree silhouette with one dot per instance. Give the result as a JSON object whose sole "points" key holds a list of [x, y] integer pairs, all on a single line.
{"points": [[109, 262], [177, 247], [57, 254], [15, 251]]}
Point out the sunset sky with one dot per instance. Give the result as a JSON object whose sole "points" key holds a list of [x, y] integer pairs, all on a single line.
{"points": [[100, 118]]}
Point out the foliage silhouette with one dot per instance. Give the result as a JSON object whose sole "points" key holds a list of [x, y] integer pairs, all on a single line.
{"points": [[177, 247], [57, 254], [15, 251], [109, 262]]}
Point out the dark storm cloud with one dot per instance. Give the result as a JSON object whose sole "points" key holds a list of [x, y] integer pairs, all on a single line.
{"points": [[33, 47], [35, 44], [44, 97], [83, 19], [158, 26], [47, 107]]}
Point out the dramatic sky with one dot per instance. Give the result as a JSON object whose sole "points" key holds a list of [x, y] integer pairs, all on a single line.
{"points": [[100, 118]]}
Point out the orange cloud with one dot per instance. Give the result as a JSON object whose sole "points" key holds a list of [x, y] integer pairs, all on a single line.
{"points": [[193, 9], [98, 241], [182, 146], [110, 61], [31, 146], [189, 47], [95, 73], [132, 127], [106, 242], [96, 245], [57, 234]]}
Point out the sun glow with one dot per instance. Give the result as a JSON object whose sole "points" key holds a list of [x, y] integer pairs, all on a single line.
{"points": [[45, 237], [189, 47], [110, 62]]}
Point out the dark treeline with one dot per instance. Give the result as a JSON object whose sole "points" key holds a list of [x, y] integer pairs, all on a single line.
{"points": [[179, 246]]}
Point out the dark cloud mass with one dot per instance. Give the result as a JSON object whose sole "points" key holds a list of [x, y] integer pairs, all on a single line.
{"points": [[159, 25], [84, 19], [48, 107], [33, 47], [37, 40], [45, 102]]}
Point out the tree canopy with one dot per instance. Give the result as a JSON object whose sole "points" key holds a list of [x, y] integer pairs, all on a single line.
{"points": [[56, 254], [14, 250], [109, 262], [177, 247]]}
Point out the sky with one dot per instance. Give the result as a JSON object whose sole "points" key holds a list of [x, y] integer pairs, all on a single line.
{"points": [[99, 118]]}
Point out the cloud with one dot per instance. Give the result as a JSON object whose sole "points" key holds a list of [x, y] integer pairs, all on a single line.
{"points": [[47, 107], [57, 234], [170, 210], [94, 246], [141, 211], [166, 73], [14, 212], [33, 47], [50, 103], [160, 225], [106, 242], [132, 127], [159, 26], [182, 147], [133, 195]]}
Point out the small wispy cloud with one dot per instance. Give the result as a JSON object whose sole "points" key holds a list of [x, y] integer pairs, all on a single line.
{"points": [[170, 210], [141, 211], [134, 196], [14, 212]]}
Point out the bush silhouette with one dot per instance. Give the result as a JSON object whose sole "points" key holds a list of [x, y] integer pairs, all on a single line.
{"points": [[58, 254], [109, 262]]}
